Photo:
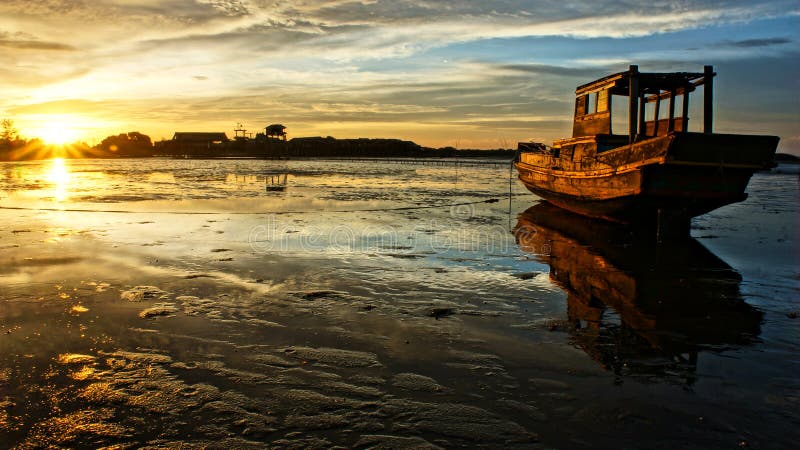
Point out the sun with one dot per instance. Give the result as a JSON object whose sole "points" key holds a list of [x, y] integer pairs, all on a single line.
{"points": [[58, 129], [58, 133]]}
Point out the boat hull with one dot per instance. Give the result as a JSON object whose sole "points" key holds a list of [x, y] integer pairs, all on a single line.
{"points": [[681, 175]]}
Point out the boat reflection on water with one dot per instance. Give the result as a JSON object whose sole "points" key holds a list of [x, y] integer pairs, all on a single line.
{"points": [[276, 181], [638, 308]]}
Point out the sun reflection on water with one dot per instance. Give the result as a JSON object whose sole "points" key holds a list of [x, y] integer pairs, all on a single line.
{"points": [[59, 177]]}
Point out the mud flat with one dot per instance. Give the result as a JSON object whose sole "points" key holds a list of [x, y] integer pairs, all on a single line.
{"points": [[368, 306]]}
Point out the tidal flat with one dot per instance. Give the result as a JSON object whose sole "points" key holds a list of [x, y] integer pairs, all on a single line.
{"points": [[160, 303]]}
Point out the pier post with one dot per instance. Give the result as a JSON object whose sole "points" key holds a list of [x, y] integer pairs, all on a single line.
{"points": [[708, 98]]}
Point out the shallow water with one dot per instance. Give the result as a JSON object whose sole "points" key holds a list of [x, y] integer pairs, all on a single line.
{"points": [[233, 303]]}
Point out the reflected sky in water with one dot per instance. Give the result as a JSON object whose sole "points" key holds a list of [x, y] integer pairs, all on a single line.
{"points": [[319, 303]]}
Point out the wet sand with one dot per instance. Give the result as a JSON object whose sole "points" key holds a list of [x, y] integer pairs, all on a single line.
{"points": [[165, 303]]}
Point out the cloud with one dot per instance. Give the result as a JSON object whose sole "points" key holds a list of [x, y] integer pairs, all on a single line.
{"points": [[34, 45], [229, 7], [545, 69], [365, 29], [345, 62], [75, 105], [751, 43], [25, 41], [345, 30]]}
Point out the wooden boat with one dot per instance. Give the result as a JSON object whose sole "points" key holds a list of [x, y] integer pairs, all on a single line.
{"points": [[659, 172]]}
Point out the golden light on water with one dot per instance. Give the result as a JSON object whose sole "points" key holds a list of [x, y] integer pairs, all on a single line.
{"points": [[59, 177]]}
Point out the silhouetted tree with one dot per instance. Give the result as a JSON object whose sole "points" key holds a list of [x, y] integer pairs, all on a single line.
{"points": [[10, 141], [132, 144], [8, 133], [276, 130]]}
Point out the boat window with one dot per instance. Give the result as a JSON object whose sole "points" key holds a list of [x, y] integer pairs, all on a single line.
{"points": [[663, 109], [679, 105], [580, 105], [619, 115], [649, 110], [591, 106], [595, 102]]}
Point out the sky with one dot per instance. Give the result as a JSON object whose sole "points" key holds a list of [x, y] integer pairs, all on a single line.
{"points": [[469, 74]]}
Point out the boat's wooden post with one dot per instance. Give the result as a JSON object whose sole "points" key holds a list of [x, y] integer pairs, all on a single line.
{"points": [[610, 117], [671, 110], [642, 118], [656, 113], [633, 103], [685, 112], [708, 98]]}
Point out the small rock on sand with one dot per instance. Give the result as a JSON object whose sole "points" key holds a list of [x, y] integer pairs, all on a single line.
{"points": [[139, 293], [75, 358], [527, 275], [314, 295], [334, 356], [438, 313], [161, 309], [416, 382]]}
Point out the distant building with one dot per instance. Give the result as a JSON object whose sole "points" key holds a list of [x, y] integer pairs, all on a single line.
{"points": [[194, 137], [197, 143], [275, 130]]}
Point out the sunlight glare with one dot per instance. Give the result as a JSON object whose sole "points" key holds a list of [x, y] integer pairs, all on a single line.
{"points": [[59, 177], [58, 129], [58, 133]]}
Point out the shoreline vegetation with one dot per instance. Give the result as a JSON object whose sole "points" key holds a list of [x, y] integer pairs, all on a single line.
{"points": [[217, 145], [297, 147]]}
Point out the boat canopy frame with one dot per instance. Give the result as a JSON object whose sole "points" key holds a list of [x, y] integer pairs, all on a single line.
{"points": [[642, 88]]}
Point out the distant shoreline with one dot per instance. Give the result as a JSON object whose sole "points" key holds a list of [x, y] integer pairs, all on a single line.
{"points": [[468, 158], [297, 148]]}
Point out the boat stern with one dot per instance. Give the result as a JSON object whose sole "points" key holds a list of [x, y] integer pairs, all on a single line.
{"points": [[730, 151]]}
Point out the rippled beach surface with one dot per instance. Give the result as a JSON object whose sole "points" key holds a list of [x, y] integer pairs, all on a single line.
{"points": [[374, 304]]}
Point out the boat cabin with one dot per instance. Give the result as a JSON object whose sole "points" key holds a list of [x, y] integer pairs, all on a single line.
{"points": [[593, 104]]}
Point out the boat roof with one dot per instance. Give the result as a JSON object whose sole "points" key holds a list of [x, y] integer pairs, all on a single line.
{"points": [[649, 82]]}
